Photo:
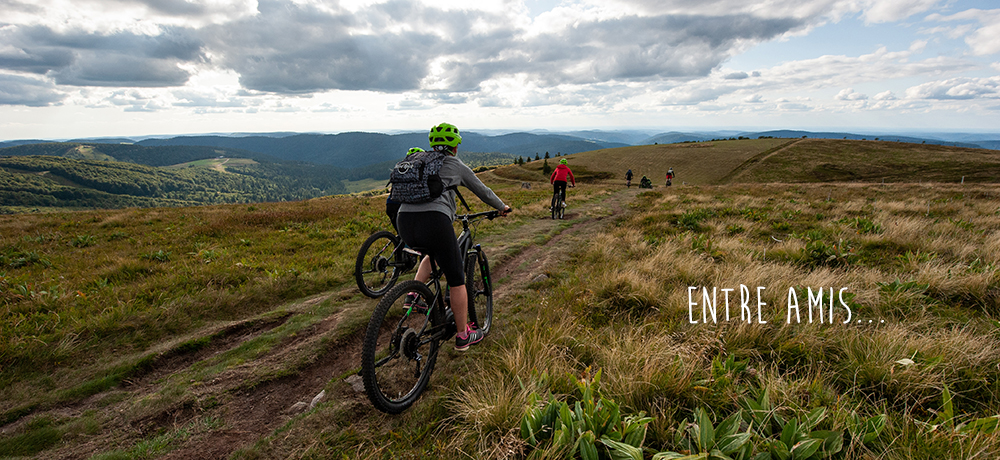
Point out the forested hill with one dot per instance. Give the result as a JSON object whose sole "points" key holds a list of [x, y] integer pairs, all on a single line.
{"points": [[93, 175], [130, 153], [357, 149], [48, 181]]}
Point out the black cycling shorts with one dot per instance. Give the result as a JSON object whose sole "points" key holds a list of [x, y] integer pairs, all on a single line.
{"points": [[431, 232], [391, 210]]}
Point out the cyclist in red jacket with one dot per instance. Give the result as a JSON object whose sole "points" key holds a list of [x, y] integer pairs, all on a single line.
{"points": [[558, 180]]}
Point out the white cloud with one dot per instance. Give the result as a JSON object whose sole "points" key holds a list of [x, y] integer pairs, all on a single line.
{"points": [[794, 107], [848, 94], [648, 59], [983, 40], [957, 89], [895, 10], [822, 73]]}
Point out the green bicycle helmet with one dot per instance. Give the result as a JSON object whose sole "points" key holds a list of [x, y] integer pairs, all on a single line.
{"points": [[444, 134], [563, 161], [413, 150]]}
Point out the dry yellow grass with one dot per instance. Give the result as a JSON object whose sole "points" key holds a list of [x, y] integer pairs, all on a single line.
{"points": [[917, 265], [695, 163]]}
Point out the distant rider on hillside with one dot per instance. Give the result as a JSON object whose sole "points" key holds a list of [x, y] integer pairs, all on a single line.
{"points": [[558, 180], [670, 176], [628, 179]]}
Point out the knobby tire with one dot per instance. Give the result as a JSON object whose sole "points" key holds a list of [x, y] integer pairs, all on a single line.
{"points": [[480, 289], [372, 271], [393, 375]]}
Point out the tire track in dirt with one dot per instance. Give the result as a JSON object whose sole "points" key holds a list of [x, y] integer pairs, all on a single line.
{"points": [[253, 414], [760, 157], [531, 262], [247, 413]]}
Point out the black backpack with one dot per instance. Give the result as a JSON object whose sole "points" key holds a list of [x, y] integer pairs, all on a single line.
{"points": [[416, 179]]}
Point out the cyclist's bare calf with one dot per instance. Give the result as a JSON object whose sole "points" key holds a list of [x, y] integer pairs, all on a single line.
{"points": [[459, 296]]}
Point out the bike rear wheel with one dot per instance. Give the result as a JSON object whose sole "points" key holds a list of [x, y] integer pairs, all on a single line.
{"points": [[375, 270], [480, 288], [561, 204], [400, 349], [555, 205]]}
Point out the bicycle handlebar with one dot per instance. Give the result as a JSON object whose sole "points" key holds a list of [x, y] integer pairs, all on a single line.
{"points": [[493, 214]]}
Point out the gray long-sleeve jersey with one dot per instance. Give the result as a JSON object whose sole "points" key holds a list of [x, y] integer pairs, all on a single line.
{"points": [[454, 172]]}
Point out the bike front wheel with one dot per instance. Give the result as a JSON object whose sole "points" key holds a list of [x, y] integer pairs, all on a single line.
{"points": [[480, 288], [400, 349], [375, 270]]}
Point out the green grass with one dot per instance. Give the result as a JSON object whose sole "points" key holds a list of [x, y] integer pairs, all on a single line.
{"points": [[363, 185], [214, 163]]}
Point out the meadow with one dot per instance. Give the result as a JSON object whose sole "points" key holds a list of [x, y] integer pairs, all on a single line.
{"points": [[154, 333]]}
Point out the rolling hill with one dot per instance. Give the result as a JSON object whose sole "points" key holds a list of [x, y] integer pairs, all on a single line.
{"points": [[356, 149], [91, 175], [58, 182], [46, 181], [795, 160]]}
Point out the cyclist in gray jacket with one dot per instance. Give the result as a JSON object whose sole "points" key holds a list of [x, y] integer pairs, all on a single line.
{"points": [[428, 226]]}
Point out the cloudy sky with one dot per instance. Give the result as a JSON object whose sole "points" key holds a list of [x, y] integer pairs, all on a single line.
{"points": [[84, 68]]}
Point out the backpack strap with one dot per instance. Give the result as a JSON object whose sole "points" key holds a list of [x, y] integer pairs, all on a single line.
{"points": [[460, 198]]}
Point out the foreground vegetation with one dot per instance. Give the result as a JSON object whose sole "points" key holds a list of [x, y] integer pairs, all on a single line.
{"points": [[97, 303], [917, 362]]}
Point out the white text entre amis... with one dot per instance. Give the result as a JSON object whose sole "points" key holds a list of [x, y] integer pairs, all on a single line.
{"points": [[721, 305]]}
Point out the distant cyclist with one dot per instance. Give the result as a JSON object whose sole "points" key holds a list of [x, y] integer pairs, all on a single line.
{"points": [[392, 207], [670, 176], [558, 181], [428, 226], [628, 179]]}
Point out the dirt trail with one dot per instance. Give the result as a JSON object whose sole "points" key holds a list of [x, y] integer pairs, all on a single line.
{"points": [[747, 165], [248, 415]]}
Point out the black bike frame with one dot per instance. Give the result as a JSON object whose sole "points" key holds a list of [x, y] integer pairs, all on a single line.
{"points": [[465, 246]]}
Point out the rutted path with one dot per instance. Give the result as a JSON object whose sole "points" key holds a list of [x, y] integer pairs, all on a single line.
{"points": [[728, 178], [245, 415]]}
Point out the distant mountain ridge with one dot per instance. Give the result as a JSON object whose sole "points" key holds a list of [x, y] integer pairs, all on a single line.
{"points": [[360, 149]]}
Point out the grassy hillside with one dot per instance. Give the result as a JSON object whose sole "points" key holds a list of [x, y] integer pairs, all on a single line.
{"points": [[218, 164], [823, 160], [59, 176], [795, 160], [693, 163], [131, 153], [191, 332], [44, 181]]}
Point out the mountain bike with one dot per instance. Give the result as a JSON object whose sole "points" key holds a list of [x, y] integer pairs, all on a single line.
{"points": [[381, 260], [558, 204], [402, 343]]}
